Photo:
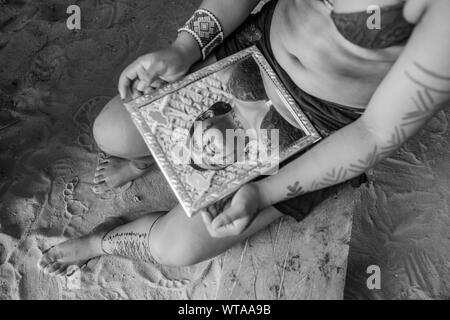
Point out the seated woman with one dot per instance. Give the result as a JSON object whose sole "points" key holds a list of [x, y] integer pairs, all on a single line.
{"points": [[367, 85]]}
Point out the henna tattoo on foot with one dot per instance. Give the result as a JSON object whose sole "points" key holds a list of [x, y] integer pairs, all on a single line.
{"points": [[133, 245]]}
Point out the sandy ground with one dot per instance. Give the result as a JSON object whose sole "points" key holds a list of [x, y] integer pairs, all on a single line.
{"points": [[55, 81]]}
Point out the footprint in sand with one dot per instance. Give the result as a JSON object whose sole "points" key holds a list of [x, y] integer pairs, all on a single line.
{"points": [[63, 167], [84, 117], [30, 99], [157, 277], [173, 284], [103, 16], [439, 124], [5, 248], [73, 207], [16, 19], [53, 12], [48, 64], [4, 42], [174, 278], [3, 254]]}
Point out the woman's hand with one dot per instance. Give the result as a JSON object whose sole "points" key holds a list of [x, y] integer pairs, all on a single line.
{"points": [[231, 216], [147, 71], [150, 71]]}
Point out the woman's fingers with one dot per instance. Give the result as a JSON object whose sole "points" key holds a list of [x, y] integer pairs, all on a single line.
{"points": [[154, 72], [207, 219], [135, 92], [233, 228], [125, 80], [142, 86], [142, 79], [216, 209], [158, 83], [212, 210], [142, 74], [227, 217], [231, 222]]}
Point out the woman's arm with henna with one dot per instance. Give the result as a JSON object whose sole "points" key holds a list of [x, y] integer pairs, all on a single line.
{"points": [[416, 88]]}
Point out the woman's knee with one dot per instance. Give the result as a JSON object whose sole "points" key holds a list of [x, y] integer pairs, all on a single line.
{"points": [[115, 133], [105, 129], [171, 242], [174, 254]]}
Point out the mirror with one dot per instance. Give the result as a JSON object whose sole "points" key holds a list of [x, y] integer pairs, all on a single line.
{"points": [[221, 127]]}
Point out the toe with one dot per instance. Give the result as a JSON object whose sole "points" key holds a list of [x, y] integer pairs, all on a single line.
{"points": [[102, 167], [99, 170], [47, 258], [103, 155], [44, 264], [100, 160], [61, 271], [96, 189], [44, 252], [99, 174], [103, 163], [99, 179], [52, 267]]}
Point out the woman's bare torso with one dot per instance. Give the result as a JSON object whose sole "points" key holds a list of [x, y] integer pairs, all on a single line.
{"points": [[306, 43]]}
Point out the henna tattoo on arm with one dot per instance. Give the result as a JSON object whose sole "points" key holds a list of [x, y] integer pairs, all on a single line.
{"points": [[295, 190], [426, 106]]}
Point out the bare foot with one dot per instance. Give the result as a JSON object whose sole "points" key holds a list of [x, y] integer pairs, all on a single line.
{"points": [[57, 259], [113, 172]]}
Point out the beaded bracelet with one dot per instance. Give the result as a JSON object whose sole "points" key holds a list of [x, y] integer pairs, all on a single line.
{"points": [[206, 30]]}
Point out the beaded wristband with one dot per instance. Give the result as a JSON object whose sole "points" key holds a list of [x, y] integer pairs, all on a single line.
{"points": [[206, 30]]}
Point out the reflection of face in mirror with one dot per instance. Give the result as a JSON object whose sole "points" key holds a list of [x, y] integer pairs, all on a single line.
{"points": [[209, 150], [250, 110]]}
